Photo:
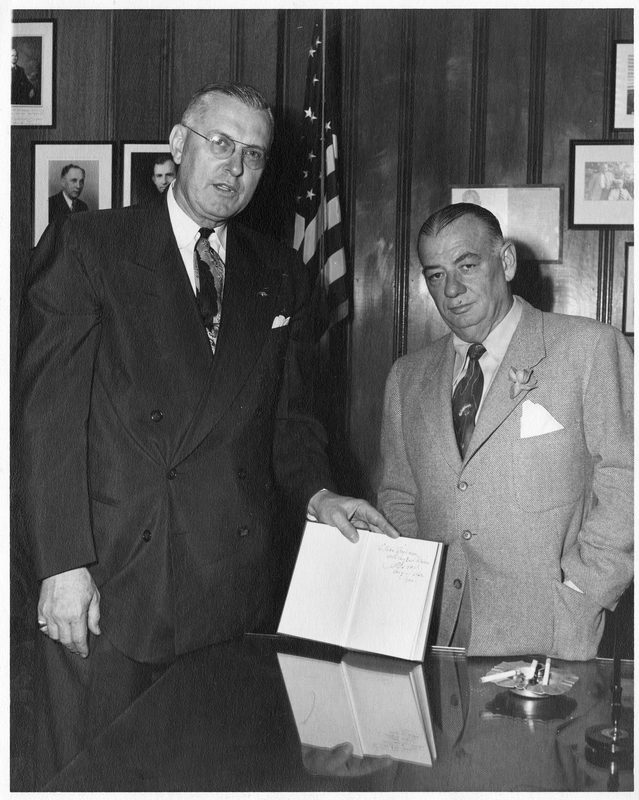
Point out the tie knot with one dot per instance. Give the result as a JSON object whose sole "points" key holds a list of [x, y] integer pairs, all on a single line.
{"points": [[476, 351], [206, 232]]}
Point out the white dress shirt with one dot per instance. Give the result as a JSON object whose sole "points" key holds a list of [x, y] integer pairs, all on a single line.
{"points": [[187, 232], [496, 344]]}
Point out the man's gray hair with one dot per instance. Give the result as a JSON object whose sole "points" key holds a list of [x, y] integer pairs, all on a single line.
{"points": [[445, 216], [251, 97]]}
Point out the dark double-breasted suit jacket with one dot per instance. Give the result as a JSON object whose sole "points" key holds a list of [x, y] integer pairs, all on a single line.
{"points": [[143, 456], [59, 208]]}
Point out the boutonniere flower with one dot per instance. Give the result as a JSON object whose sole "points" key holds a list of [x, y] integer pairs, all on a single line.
{"points": [[522, 381]]}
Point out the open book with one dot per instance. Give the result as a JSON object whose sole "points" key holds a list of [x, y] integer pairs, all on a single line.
{"points": [[379, 705], [376, 595]]}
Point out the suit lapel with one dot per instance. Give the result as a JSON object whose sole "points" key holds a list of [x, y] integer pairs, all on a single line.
{"points": [[435, 397], [526, 350], [251, 291]]}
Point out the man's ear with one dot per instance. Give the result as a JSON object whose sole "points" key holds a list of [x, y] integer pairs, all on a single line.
{"points": [[508, 257], [176, 142]]}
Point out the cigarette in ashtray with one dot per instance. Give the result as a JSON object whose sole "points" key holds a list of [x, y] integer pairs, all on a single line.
{"points": [[546, 678], [524, 672]]}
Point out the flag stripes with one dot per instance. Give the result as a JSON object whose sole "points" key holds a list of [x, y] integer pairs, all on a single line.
{"points": [[318, 218]]}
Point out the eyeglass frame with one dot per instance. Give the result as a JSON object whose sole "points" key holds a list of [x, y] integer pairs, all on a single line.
{"points": [[235, 142]]}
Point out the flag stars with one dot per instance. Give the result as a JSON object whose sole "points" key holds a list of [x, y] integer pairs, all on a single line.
{"points": [[312, 52], [310, 194], [311, 156]]}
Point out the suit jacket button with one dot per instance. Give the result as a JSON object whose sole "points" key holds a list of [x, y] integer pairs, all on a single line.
{"points": [[156, 416], [171, 474], [457, 583], [243, 531], [241, 474], [462, 485], [146, 536], [466, 535]]}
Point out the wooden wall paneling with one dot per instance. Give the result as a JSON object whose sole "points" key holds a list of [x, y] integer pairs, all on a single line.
{"points": [[374, 246], [260, 51], [478, 95], [404, 185], [202, 54], [140, 80], [441, 142], [537, 96], [508, 97], [575, 74]]}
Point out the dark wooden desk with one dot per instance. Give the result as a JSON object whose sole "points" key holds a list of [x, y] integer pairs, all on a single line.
{"points": [[220, 719]]}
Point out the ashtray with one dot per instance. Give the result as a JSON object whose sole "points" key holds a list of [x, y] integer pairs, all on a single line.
{"points": [[559, 681]]}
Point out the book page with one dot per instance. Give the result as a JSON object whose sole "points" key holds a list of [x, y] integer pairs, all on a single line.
{"points": [[392, 593], [322, 587], [319, 699], [389, 718]]}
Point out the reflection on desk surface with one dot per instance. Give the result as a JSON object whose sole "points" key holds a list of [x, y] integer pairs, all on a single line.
{"points": [[232, 717]]}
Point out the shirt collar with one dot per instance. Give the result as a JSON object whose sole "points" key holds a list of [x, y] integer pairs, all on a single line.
{"points": [[184, 228], [497, 341]]}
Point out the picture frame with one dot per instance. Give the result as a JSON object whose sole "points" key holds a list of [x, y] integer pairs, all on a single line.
{"points": [[33, 73], [531, 216], [629, 291], [95, 159], [141, 180], [601, 171], [623, 90]]}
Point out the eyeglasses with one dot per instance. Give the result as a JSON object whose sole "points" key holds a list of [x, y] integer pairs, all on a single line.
{"points": [[222, 146]]}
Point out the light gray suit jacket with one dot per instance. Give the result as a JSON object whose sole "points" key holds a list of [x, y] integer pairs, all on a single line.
{"points": [[520, 515]]}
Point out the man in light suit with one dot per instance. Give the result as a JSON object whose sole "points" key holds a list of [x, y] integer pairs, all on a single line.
{"points": [[534, 495], [164, 394]]}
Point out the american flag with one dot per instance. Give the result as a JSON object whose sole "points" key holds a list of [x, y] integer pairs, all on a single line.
{"points": [[318, 218]]}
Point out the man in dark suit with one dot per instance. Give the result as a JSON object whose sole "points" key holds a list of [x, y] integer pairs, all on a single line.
{"points": [[22, 90], [67, 200], [164, 392]]}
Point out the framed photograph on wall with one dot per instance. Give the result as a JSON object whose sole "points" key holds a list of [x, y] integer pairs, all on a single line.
{"points": [[32, 73], [629, 291], [602, 184], [623, 91], [147, 170], [69, 178], [529, 215]]}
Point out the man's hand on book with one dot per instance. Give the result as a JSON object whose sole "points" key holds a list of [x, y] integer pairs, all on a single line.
{"points": [[340, 762], [347, 514]]}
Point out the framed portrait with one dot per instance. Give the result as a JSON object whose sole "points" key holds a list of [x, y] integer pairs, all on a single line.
{"points": [[623, 91], [531, 216], [32, 73], [69, 178], [602, 184], [629, 291], [147, 170]]}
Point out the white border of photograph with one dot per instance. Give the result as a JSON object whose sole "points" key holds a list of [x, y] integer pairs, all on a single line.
{"points": [[624, 86], [598, 213], [529, 215], [128, 148], [629, 291], [96, 157], [42, 114]]}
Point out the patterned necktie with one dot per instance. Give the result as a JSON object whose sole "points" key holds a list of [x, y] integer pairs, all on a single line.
{"points": [[467, 397], [210, 271]]}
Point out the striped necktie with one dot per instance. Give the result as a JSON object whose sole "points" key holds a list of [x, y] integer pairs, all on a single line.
{"points": [[210, 271], [467, 397]]}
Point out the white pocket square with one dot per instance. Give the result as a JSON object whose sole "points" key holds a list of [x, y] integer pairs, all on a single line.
{"points": [[536, 421], [280, 321]]}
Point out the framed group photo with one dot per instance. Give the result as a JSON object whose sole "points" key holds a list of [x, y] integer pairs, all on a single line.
{"points": [[147, 171], [623, 93], [32, 73], [70, 177], [602, 184], [528, 215]]}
